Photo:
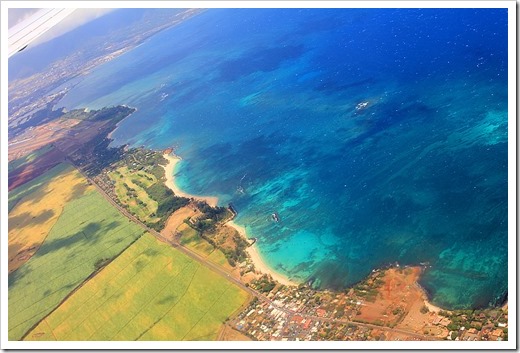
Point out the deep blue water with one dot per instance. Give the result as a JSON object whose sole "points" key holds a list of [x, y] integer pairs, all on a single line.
{"points": [[262, 104]]}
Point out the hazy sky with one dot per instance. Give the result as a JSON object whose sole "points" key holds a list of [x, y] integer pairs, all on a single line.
{"points": [[18, 15], [76, 19]]}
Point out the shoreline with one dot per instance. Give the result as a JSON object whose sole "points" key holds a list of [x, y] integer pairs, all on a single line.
{"points": [[169, 170], [431, 307], [109, 136], [257, 260], [255, 257]]}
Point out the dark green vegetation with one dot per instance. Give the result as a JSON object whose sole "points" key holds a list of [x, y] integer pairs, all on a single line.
{"points": [[368, 288], [238, 254], [114, 114], [207, 226], [211, 216], [167, 203], [264, 284], [147, 177], [481, 319], [88, 232], [95, 155]]}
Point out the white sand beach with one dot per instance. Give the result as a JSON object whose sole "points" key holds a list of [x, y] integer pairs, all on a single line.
{"points": [[170, 182], [257, 259]]}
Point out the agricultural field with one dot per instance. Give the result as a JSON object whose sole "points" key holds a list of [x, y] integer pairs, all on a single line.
{"points": [[35, 208], [150, 292], [130, 188], [88, 233], [25, 169], [15, 195], [25, 160]]}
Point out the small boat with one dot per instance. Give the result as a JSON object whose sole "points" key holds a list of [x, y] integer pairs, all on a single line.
{"points": [[275, 217], [362, 105]]}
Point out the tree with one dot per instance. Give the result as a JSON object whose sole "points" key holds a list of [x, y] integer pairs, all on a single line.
{"points": [[424, 309], [452, 327]]}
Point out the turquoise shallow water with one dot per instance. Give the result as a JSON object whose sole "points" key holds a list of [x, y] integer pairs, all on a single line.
{"points": [[262, 106]]}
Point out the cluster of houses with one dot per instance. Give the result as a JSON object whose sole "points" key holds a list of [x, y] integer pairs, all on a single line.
{"points": [[301, 313]]}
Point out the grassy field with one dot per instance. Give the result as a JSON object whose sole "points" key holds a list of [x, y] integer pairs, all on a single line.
{"points": [[37, 208], [138, 201], [190, 239], [150, 292], [88, 231]]}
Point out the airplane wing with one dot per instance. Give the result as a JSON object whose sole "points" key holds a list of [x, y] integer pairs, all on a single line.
{"points": [[28, 30]]}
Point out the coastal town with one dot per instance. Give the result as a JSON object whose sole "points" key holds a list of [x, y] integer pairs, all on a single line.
{"points": [[301, 313]]}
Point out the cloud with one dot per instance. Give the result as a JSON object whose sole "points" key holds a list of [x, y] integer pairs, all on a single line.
{"points": [[16, 16], [76, 19]]}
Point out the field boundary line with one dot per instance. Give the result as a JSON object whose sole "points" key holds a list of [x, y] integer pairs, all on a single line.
{"points": [[160, 290], [207, 311], [92, 275], [100, 289], [70, 270], [178, 301]]}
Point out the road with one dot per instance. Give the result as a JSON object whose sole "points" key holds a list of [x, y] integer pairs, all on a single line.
{"points": [[214, 267]]}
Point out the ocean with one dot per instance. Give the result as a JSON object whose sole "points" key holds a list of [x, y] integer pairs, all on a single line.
{"points": [[377, 136]]}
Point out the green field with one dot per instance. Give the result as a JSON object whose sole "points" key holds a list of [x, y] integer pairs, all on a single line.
{"points": [[130, 190], [150, 292], [88, 231]]}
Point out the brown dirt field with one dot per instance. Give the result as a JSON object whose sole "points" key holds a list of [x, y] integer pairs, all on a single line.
{"points": [[229, 334], [177, 219], [249, 277], [396, 336], [225, 237], [27, 172], [34, 215], [398, 294], [401, 291], [422, 323]]}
